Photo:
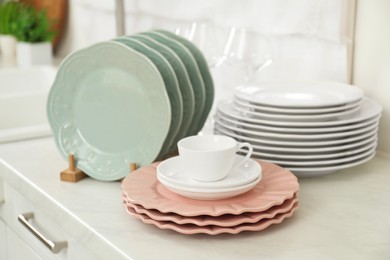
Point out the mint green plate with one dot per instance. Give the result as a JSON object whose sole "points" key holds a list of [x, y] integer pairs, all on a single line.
{"points": [[204, 70], [171, 86], [184, 84], [108, 106], [193, 72]]}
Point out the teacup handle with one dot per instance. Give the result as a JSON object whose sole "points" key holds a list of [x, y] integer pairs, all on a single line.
{"points": [[249, 153]]}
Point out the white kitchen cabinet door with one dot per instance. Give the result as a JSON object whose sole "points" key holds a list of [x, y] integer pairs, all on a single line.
{"points": [[17, 248], [3, 247], [18, 209]]}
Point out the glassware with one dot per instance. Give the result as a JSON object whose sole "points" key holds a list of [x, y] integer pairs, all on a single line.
{"points": [[248, 51], [205, 37]]}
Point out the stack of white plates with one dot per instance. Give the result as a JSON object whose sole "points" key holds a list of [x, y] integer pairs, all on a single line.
{"points": [[311, 128]]}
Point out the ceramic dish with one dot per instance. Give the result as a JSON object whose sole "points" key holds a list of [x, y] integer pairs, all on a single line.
{"points": [[326, 162], [294, 143], [193, 72], [300, 94], [171, 86], [185, 85], [369, 109], [93, 109], [208, 193], [324, 170], [292, 117], [344, 153], [226, 220], [297, 111], [326, 136], [171, 171], [212, 229], [203, 67], [277, 184], [296, 130], [310, 150]]}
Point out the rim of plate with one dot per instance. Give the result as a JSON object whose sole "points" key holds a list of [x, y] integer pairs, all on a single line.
{"points": [[319, 171], [299, 94], [298, 163], [250, 133], [293, 117], [297, 143], [368, 109], [303, 150], [307, 111], [266, 155], [297, 130]]}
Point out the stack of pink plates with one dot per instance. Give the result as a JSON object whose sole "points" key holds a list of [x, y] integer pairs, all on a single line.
{"points": [[273, 199]]}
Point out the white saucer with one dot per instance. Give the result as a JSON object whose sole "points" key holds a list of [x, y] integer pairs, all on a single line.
{"points": [[208, 193], [171, 171]]}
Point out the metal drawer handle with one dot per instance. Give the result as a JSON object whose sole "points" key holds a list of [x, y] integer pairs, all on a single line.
{"points": [[54, 247]]}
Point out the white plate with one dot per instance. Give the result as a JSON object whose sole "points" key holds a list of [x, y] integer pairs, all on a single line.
{"points": [[292, 117], [208, 194], [297, 111], [320, 163], [325, 136], [300, 94], [296, 130], [312, 150], [319, 171], [338, 154], [171, 171], [369, 109], [294, 143], [283, 156]]}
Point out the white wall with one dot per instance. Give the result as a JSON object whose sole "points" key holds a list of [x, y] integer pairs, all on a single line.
{"points": [[372, 59]]}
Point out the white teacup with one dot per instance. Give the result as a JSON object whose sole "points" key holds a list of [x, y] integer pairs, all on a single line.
{"points": [[210, 157]]}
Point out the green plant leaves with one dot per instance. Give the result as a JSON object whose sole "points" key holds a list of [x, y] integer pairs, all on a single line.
{"points": [[25, 23], [9, 13]]}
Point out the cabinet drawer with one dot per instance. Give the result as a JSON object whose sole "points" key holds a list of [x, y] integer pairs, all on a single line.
{"points": [[38, 230], [17, 248]]}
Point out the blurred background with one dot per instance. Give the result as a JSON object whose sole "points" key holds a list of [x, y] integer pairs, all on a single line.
{"points": [[333, 40]]}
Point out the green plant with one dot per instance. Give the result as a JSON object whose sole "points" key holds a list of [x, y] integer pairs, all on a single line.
{"points": [[25, 22], [9, 15], [33, 26]]}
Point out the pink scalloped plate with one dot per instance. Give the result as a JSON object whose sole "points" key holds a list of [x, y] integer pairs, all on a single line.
{"points": [[226, 220], [190, 229], [278, 184]]}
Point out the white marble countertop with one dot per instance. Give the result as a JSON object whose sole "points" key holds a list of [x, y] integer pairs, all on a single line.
{"points": [[341, 216]]}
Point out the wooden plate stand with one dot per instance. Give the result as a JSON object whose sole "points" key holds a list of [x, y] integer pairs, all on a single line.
{"points": [[73, 174]]}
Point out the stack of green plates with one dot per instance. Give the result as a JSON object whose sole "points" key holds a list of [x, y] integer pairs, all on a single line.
{"points": [[129, 100]]}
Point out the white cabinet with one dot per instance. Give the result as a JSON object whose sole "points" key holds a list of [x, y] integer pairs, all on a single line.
{"points": [[17, 248], [31, 234], [3, 248]]}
